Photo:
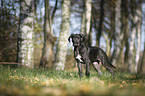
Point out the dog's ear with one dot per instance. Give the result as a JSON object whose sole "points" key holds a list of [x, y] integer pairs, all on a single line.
{"points": [[82, 37], [71, 36]]}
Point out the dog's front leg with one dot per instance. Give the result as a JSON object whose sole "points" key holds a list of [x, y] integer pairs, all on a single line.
{"points": [[87, 68], [79, 69]]}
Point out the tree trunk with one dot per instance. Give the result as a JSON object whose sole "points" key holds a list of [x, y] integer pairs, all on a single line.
{"points": [[118, 36], [49, 40], [108, 47], [133, 59], [110, 34], [124, 30], [131, 53], [63, 37], [142, 66], [83, 23], [25, 43], [138, 28], [88, 10], [100, 22]]}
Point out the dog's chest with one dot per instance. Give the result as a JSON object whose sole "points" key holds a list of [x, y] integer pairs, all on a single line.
{"points": [[78, 57]]}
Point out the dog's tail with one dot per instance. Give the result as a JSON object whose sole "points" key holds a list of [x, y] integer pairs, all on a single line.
{"points": [[110, 63]]}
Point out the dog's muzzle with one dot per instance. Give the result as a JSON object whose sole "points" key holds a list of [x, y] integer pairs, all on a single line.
{"points": [[75, 44]]}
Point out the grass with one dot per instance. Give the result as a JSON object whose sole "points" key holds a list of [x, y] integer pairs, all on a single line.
{"points": [[45, 82]]}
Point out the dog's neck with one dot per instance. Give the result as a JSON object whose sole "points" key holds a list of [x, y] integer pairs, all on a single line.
{"points": [[77, 48]]}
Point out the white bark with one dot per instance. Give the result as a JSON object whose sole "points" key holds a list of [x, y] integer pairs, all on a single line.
{"points": [[88, 6], [133, 59], [25, 35], [118, 33], [83, 24], [47, 51], [131, 56], [62, 43], [131, 51], [138, 28]]}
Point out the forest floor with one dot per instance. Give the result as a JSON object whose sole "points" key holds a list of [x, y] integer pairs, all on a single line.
{"points": [[45, 82]]}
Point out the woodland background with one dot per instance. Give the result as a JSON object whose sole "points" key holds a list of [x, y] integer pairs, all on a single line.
{"points": [[34, 33]]}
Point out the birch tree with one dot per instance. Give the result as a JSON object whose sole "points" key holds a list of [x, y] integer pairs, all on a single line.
{"points": [[142, 66], [138, 29], [63, 37], [83, 20], [100, 22], [25, 43], [133, 57], [125, 31], [118, 36], [88, 10], [47, 51]]}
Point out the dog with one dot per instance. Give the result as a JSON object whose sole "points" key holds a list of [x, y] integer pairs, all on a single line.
{"points": [[87, 55]]}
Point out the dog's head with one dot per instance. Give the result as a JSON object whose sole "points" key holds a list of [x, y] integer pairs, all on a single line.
{"points": [[77, 39]]}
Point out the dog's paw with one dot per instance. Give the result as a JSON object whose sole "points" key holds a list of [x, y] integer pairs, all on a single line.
{"points": [[87, 74]]}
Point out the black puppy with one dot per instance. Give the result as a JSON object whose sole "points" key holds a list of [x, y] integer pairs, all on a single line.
{"points": [[85, 55]]}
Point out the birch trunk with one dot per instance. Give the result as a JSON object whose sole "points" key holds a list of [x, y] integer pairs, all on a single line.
{"points": [[118, 34], [83, 24], [49, 40], [100, 22], [142, 66], [125, 30], [133, 59], [63, 37], [25, 34], [138, 28], [88, 10]]}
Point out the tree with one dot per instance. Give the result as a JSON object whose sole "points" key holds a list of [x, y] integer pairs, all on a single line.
{"points": [[83, 20], [125, 30], [138, 29], [62, 43], [142, 66], [133, 56], [118, 35], [88, 15], [100, 22], [25, 42], [110, 11], [47, 51]]}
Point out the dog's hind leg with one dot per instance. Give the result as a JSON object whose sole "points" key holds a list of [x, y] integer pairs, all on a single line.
{"points": [[96, 66], [107, 65]]}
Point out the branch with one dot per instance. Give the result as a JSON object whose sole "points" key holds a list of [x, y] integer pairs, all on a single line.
{"points": [[54, 10]]}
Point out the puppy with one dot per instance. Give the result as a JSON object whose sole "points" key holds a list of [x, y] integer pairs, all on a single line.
{"points": [[87, 55]]}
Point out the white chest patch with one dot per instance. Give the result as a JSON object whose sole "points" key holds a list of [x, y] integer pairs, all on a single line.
{"points": [[79, 58]]}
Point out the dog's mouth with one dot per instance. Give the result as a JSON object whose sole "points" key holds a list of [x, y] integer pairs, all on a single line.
{"points": [[75, 44]]}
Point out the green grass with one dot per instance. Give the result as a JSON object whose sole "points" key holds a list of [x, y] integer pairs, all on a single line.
{"points": [[45, 82]]}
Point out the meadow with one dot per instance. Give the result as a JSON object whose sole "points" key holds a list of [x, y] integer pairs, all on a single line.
{"points": [[46, 82]]}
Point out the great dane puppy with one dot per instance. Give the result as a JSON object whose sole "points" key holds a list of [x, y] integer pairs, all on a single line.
{"points": [[87, 55]]}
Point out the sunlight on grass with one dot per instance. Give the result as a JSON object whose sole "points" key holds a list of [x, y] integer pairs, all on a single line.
{"points": [[22, 81]]}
